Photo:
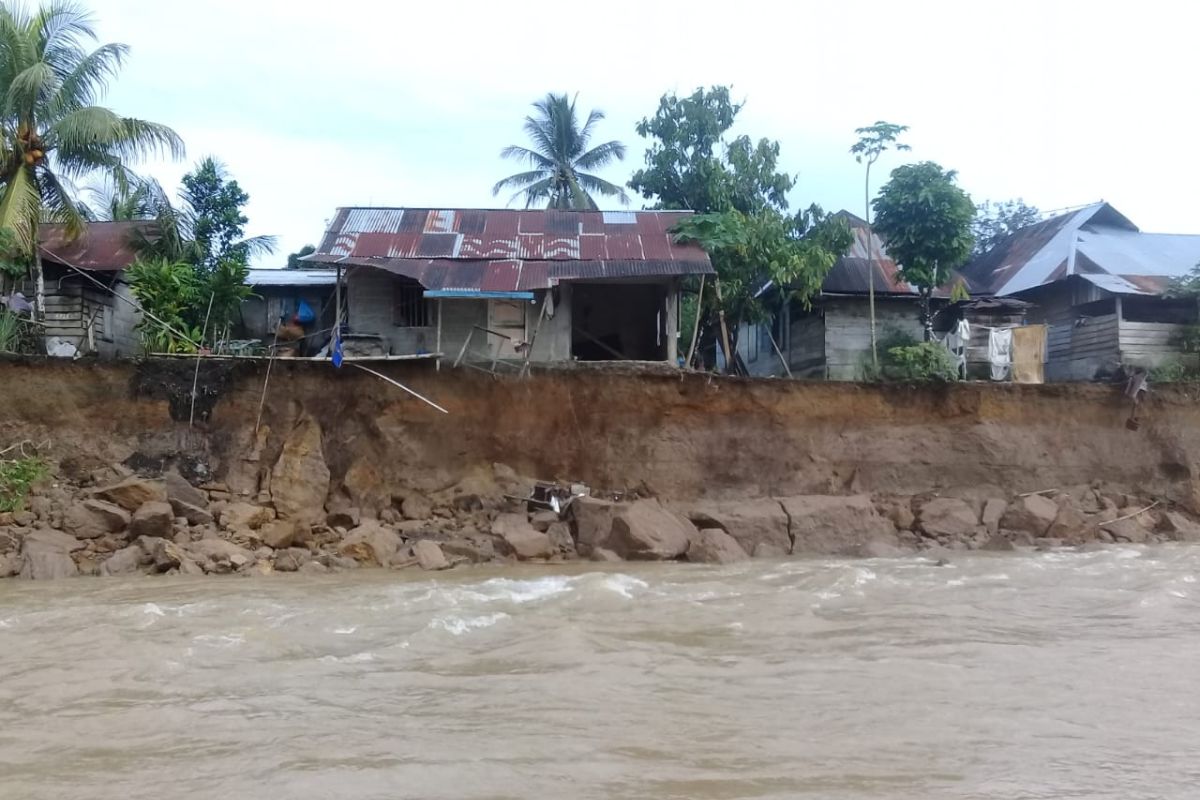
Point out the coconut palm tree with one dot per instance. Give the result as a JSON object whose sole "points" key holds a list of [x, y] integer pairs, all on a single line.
{"points": [[559, 158], [51, 130]]}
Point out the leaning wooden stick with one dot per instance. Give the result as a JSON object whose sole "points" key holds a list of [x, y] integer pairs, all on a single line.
{"points": [[401, 386]]}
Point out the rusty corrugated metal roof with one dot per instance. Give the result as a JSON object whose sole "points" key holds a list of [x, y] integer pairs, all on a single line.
{"points": [[509, 250], [103, 247]]}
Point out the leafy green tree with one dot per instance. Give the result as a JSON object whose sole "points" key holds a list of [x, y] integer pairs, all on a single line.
{"points": [[52, 132], [925, 220], [874, 141], [170, 292], [741, 199], [206, 227], [995, 221], [123, 199], [560, 161], [293, 260]]}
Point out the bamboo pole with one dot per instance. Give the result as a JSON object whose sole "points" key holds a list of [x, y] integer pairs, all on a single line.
{"points": [[730, 361], [401, 386], [696, 326], [199, 350]]}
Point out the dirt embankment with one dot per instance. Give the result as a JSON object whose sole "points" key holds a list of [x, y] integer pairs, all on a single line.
{"points": [[758, 460]]}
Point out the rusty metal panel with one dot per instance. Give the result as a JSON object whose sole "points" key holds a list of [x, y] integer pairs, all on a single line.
{"points": [[103, 246]]}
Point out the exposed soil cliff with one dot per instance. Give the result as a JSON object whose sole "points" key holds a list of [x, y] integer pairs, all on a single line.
{"points": [[343, 468]]}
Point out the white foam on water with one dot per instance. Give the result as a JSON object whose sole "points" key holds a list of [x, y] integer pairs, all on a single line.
{"points": [[356, 658], [623, 585], [345, 631], [458, 626], [524, 591], [220, 640], [153, 608]]}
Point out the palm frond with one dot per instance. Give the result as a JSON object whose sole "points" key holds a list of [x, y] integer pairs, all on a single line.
{"points": [[59, 205], [20, 206], [97, 138], [519, 181], [594, 184], [601, 155], [540, 190], [88, 79], [517, 153]]}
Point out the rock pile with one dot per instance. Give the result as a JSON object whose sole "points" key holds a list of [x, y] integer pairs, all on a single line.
{"points": [[168, 526]]}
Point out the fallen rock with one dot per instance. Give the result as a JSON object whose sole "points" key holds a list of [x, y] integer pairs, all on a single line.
{"points": [[372, 544], [218, 550], [24, 518], [300, 478], [46, 564], [769, 550], [429, 555], [416, 506], [478, 550], [125, 561], [751, 523], [835, 525], [1179, 527], [993, 510], [602, 555], [947, 517], [46, 539], [313, 568], [132, 493], [645, 531], [560, 537], [542, 520], [291, 559], [881, 548], [10, 564], [152, 519], [1033, 514], [279, 534], [519, 538], [178, 488], [245, 516], [1070, 525], [997, 544], [9, 541], [713, 546], [1126, 530], [348, 517], [592, 519], [192, 515], [95, 518], [467, 503]]}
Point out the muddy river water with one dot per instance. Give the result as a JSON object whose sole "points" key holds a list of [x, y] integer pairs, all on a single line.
{"points": [[1036, 675]]}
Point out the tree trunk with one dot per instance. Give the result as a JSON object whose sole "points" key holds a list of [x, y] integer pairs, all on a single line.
{"points": [[39, 284], [927, 313]]}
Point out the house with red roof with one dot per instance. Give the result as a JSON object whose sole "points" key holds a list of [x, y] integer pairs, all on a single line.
{"points": [[493, 286]]}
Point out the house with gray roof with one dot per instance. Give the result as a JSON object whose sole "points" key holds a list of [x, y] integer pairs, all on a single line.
{"points": [[1098, 283]]}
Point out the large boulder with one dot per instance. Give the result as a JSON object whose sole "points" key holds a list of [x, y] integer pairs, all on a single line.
{"points": [[416, 506], [46, 555], [1179, 527], [10, 564], [92, 519], [476, 549], [592, 519], [279, 534], [152, 519], [300, 478], [291, 559], [180, 491], [835, 525], [1126, 530], [713, 546], [947, 517], [645, 531], [1033, 514], [993, 511], [371, 544], [125, 561], [219, 550], [1071, 525], [429, 555], [243, 516], [132, 493], [517, 537], [760, 527]]}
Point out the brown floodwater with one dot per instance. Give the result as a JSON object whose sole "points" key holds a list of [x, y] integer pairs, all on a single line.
{"points": [[1015, 676]]}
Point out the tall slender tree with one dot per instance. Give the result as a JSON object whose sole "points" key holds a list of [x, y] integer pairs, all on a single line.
{"points": [[560, 161], [873, 141], [52, 131]]}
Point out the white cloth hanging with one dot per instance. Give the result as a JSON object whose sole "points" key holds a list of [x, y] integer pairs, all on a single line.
{"points": [[1000, 352]]}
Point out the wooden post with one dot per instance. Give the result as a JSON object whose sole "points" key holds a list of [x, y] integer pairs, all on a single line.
{"points": [[779, 353], [696, 327], [438, 347], [337, 312], [730, 359]]}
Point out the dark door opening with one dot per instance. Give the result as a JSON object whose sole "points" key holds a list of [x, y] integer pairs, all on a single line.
{"points": [[614, 322]]}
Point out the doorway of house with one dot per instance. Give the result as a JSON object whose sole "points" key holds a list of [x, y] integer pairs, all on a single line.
{"points": [[618, 322]]}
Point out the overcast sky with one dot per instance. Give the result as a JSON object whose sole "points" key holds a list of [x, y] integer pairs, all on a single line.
{"points": [[314, 106]]}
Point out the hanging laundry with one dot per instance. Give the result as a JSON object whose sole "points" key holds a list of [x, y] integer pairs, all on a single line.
{"points": [[1000, 352]]}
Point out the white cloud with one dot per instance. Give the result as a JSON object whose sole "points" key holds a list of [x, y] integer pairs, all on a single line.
{"points": [[409, 104]]}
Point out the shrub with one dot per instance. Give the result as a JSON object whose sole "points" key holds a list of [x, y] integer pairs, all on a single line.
{"points": [[1175, 372], [920, 363], [16, 477]]}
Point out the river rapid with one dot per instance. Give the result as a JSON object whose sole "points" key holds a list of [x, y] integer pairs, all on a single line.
{"points": [[1031, 675]]}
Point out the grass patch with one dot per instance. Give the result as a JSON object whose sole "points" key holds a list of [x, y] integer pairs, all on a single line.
{"points": [[16, 478]]}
